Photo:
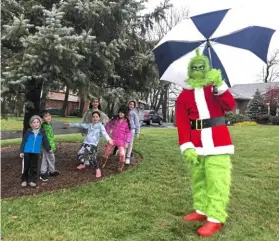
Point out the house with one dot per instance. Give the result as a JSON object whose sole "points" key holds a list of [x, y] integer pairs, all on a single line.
{"points": [[55, 100], [243, 93]]}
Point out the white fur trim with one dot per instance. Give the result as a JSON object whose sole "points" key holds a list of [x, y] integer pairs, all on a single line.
{"points": [[185, 146], [200, 212], [222, 88], [187, 86], [213, 220], [201, 103], [206, 138], [204, 151]]}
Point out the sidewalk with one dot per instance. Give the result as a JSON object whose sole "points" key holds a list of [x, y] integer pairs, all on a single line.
{"points": [[60, 129]]}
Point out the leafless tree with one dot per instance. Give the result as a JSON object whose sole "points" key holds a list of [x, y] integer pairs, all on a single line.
{"points": [[160, 96], [270, 72]]}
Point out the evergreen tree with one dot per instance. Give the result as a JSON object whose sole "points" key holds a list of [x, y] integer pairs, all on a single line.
{"points": [[256, 108]]}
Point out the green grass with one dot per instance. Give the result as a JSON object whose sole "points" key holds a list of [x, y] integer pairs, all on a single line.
{"points": [[16, 123], [148, 203]]}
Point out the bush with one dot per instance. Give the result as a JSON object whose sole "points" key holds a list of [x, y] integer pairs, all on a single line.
{"points": [[54, 111], [263, 119], [74, 112], [232, 118], [246, 123], [274, 120]]}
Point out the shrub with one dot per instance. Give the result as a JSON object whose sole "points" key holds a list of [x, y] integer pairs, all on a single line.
{"points": [[75, 112], [54, 111], [246, 123], [263, 119], [232, 118], [274, 120]]}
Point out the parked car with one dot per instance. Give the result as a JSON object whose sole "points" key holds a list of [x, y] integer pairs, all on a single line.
{"points": [[150, 117]]}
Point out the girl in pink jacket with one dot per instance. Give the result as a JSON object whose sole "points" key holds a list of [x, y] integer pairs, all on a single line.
{"points": [[120, 132]]}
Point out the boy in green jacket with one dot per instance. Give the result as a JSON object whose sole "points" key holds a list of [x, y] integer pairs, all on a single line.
{"points": [[48, 159]]}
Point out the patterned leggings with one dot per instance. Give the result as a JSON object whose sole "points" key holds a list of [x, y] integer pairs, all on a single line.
{"points": [[91, 150]]}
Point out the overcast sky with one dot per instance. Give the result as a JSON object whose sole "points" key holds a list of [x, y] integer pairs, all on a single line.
{"points": [[258, 12]]}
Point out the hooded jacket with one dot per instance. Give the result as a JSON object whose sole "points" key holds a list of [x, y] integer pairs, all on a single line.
{"points": [[134, 120], [33, 139], [94, 132], [50, 135]]}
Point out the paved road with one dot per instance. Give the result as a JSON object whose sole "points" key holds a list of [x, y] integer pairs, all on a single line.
{"points": [[60, 129]]}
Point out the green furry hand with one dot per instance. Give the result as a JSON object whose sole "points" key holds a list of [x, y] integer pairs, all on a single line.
{"points": [[190, 156], [214, 76]]}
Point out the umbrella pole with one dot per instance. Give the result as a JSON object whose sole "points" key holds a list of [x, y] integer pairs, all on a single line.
{"points": [[215, 90]]}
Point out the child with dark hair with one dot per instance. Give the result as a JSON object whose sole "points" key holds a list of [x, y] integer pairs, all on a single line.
{"points": [[121, 135], [94, 106], [30, 149], [95, 129], [48, 158]]}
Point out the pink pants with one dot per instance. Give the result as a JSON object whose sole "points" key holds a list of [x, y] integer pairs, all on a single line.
{"points": [[109, 150]]}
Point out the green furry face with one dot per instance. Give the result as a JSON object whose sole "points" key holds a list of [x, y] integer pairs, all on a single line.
{"points": [[201, 74], [197, 69]]}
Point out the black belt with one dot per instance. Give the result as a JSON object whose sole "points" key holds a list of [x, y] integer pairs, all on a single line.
{"points": [[207, 123]]}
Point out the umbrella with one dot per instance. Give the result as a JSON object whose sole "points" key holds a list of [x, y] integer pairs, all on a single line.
{"points": [[173, 52]]}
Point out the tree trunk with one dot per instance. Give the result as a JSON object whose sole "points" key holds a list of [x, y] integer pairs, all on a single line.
{"points": [[65, 104], [165, 103], [44, 97], [159, 103], [81, 105], [33, 96]]}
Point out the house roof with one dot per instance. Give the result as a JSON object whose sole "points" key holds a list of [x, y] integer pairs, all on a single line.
{"points": [[247, 91], [60, 97]]}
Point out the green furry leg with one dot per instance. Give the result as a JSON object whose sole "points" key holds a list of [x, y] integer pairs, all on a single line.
{"points": [[199, 185], [218, 180]]}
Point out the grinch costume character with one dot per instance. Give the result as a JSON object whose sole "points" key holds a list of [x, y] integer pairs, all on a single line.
{"points": [[205, 142]]}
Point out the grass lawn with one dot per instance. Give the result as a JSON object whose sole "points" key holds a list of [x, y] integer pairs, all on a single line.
{"points": [[16, 123], [148, 203]]}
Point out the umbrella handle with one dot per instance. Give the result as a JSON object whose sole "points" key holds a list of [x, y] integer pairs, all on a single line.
{"points": [[215, 90]]}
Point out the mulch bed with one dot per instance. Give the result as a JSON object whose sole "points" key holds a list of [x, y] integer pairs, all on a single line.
{"points": [[66, 162]]}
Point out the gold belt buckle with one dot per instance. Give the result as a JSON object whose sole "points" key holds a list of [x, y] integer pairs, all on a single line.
{"points": [[198, 125]]}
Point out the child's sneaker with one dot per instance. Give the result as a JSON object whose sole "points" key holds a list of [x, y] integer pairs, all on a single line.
{"points": [[81, 166], [43, 177], [127, 161], [98, 172], [54, 173], [87, 163], [24, 184], [32, 184]]}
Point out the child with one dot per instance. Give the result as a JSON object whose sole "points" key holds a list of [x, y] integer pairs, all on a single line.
{"points": [[48, 159], [135, 128], [121, 135], [30, 150], [94, 130]]}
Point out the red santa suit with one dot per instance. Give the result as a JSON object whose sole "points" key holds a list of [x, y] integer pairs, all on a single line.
{"points": [[201, 126], [200, 103]]}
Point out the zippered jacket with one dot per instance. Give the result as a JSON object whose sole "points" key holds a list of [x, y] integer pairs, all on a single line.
{"points": [[32, 144], [50, 135]]}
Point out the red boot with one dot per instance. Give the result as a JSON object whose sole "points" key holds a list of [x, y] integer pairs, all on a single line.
{"points": [[195, 217], [209, 228]]}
